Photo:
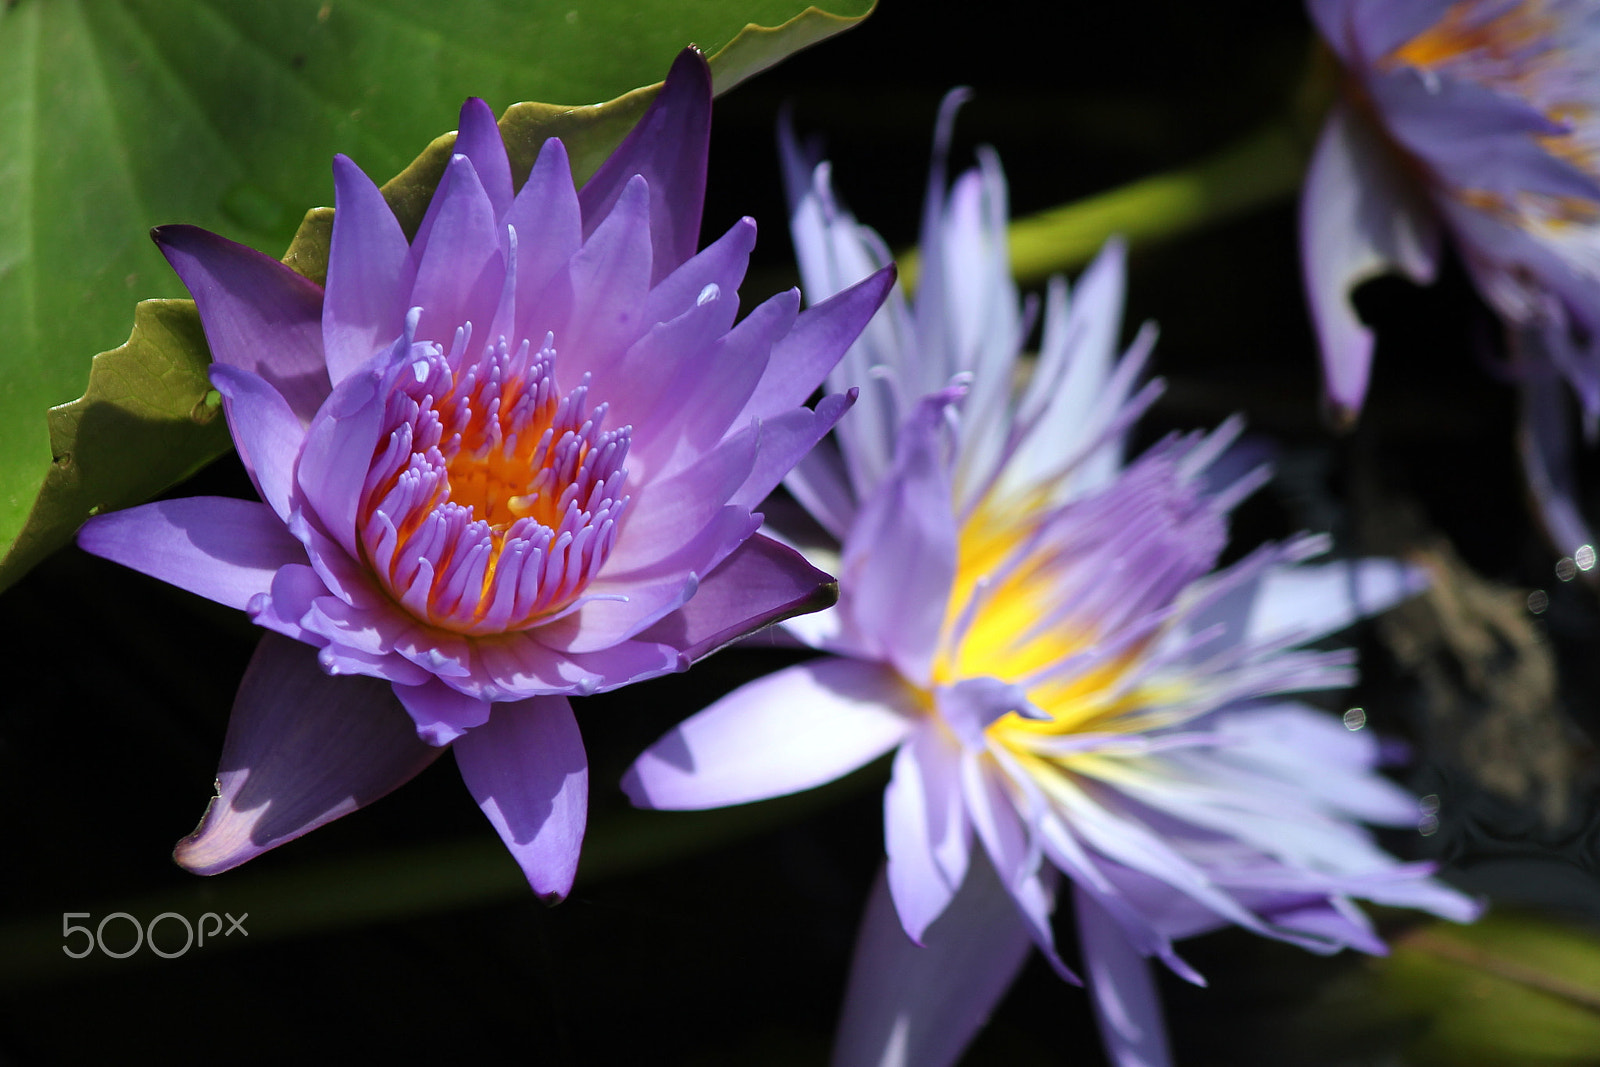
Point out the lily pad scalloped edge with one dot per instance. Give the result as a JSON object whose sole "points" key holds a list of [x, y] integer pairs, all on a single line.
{"points": [[149, 417]]}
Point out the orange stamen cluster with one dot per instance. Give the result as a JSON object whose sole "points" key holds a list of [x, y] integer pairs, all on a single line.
{"points": [[494, 497]]}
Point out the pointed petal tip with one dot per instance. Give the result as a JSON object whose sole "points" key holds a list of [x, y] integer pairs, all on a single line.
{"points": [[345, 168], [689, 76], [199, 855], [527, 770], [826, 596], [691, 59], [179, 235]]}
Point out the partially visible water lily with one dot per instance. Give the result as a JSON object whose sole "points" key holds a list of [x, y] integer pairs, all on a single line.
{"points": [[510, 459], [1039, 636], [1480, 120]]}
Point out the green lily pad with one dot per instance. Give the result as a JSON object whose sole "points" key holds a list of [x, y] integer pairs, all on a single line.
{"points": [[117, 116], [1509, 990]]}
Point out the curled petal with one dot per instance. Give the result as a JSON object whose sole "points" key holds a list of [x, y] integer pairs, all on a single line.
{"points": [[441, 713], [339, 447], [1359, 219], [295, 588], [302, 749]]}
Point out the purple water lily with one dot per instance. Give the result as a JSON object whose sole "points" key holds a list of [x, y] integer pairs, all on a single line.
{"points": [[1475, 118], [511, 459], [1038, 635]]}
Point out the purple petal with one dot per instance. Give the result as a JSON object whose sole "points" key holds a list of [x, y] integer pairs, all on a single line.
{"points": [[761, 582], [478, 138], [911, 1006], [715, 271], [623, 664], [970, 705], [1126, 1003], [638, 378], [370, 273], [1015, 856], [527, 770], [519, 666], [621, 611], [1381, 26], [792, 730], [364, 629], [258, 314], [819, 339], [338, 449], [711, 389], [441, 713], [549, 232], [900, 559], [1305, 602], [925, 829], [265, 430], [295, 588], [302, 749], [1327, 765], [223, 549], [1334, 923], [461, 267], [1359, 219], [668, 147], [676, 513], [1488, 137], [821, 485], [1071, 391], [785, 440], [610, 277], [346, 577]]}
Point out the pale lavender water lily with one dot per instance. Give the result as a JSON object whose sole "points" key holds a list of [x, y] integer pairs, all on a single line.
{"points": [[1480, 120], [509, 460], [1038, 634]]}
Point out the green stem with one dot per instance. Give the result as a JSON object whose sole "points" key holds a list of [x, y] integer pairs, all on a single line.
{"points": [[1257, 170]]}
